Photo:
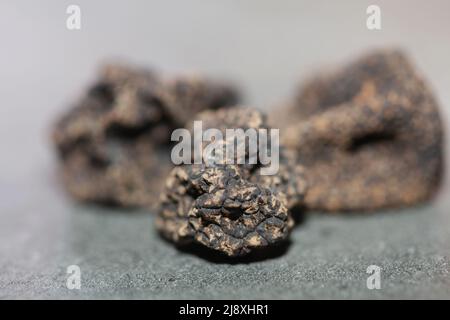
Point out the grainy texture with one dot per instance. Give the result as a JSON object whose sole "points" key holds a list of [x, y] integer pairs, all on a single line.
{"points": [[369, 136], [289, 182], [231, 208], [217, 208], [114, 144]]}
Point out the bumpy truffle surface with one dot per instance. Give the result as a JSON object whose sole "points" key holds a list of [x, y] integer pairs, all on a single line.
{"points": [[114, 143], [369, 136], [220, 209], [227, 207]]}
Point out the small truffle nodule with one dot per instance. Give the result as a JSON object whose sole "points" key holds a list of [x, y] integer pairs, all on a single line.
{"points": [[231, 208]]}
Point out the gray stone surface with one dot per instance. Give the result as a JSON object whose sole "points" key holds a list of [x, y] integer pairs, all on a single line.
{"points": [[121, 256], [265, 47]]}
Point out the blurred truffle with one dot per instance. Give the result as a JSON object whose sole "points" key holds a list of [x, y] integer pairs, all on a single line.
{"points": [[114, 143], [369, 135]]}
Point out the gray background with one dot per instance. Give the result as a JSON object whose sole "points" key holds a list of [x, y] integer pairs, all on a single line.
{"points": [[267, 47]]}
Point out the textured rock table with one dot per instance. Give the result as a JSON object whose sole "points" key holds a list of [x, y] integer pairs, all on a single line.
{"points": [[122, 256]]}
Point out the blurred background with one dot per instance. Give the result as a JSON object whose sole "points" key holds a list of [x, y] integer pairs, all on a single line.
{"points": [[267, 47]]}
